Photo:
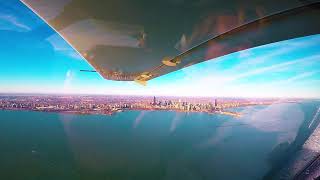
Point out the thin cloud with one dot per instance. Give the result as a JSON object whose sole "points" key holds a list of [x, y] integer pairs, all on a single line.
{"points": [[13, 21], [270, 69], [302, 76]]}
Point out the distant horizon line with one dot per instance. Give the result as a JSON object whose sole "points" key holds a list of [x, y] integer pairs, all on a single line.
{"points": [[75, 94]]}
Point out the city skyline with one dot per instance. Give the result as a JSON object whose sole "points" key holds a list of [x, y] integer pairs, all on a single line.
{"points": [[32, 64], [109, 105]]}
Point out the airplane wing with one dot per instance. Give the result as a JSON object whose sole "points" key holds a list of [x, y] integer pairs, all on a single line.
{"points": [[139, 40]]}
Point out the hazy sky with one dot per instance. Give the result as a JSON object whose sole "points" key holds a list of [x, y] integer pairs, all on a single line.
{"points": [[33, 64]]}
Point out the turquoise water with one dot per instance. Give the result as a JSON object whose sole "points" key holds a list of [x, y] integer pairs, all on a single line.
{"points": [[152, 145]]}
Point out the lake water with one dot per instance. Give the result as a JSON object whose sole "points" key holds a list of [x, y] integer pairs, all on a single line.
{"points": [[152, 144]]}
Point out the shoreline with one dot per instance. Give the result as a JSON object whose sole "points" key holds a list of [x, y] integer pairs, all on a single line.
{"points": [[111, 113]]}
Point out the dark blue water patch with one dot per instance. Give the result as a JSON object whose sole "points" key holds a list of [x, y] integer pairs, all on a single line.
{"points": [[33, 145]]}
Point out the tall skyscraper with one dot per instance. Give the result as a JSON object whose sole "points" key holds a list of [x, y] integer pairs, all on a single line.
{"points": [[154, 100], [215, 103]]}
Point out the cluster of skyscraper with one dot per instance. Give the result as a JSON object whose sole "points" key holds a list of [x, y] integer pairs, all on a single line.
{"points": [[185, 106]]}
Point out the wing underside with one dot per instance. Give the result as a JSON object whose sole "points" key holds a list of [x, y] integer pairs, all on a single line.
{"points": [[141, 40]]}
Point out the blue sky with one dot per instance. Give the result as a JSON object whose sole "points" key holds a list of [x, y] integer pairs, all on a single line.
{"points": [[33, 64]]}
